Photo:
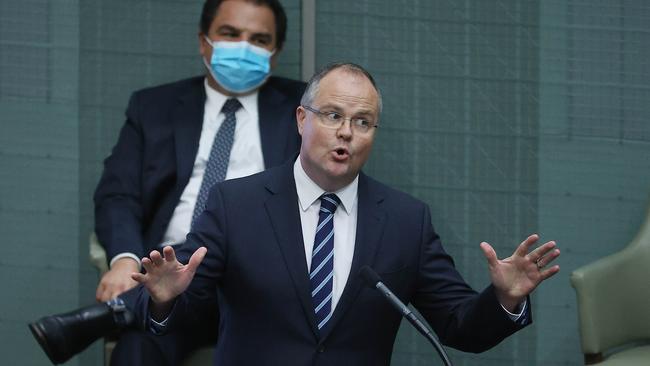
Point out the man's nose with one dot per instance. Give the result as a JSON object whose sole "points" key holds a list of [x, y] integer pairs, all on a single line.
{"points": [[345, 130]]}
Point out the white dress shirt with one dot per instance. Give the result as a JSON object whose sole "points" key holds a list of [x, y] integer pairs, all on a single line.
{"points": [[246, 158], [345, 225]]}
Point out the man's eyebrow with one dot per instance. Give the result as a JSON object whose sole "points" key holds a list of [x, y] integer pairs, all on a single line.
{"points": [[262, 35], [332, 107], [365, 111], [329, 106], [228, 28]]}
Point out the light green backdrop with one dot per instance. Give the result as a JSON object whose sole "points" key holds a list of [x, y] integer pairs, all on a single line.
{"points": [[507, 117]]}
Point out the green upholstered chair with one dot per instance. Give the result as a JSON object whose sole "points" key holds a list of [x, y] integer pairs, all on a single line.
{"points": [[202, 356], [614, 305]]}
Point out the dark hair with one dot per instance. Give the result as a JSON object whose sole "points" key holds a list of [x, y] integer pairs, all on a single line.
{"points": [[210, 8], [314, 83]]}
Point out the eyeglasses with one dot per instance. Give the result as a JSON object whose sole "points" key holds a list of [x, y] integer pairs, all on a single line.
{"points": [[335, 120]]}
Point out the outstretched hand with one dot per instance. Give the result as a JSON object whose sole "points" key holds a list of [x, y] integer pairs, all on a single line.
{"points": [[166, 277], [517, 276]]}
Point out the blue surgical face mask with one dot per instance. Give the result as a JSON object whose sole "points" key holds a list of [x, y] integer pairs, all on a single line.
{"points": [[239, 67]]}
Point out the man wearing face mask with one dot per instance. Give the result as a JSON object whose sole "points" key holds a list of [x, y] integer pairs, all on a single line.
{"points": [[178, 140]]}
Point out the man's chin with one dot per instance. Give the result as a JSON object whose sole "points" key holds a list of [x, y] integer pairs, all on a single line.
{"points": [[340, 176]]}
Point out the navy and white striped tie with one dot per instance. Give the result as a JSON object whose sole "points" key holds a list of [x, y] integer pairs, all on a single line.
{"points": [[322, 260], [217, 166]]}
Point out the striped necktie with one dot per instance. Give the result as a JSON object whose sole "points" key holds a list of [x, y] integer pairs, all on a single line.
{"points": [[322, 260], [215, 170]]}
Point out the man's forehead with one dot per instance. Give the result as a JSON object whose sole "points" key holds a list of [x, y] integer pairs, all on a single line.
{"points": [[243, 14], [341, 86]]}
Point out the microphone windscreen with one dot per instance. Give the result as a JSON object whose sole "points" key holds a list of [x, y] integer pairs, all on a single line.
{"points": [[371, 277]]}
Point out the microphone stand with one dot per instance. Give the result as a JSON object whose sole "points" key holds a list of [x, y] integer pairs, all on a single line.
{"points": [[373, 280]]}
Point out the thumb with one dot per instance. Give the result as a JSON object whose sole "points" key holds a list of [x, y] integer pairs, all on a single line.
{"points": [[489, 254], [138, 277], [196, 259]]}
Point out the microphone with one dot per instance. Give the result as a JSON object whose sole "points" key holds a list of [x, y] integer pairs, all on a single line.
{"points": [[373, 280]]}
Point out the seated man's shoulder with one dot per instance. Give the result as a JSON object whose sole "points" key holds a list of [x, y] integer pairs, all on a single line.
{"points": [[171, 90], [290, 87]]}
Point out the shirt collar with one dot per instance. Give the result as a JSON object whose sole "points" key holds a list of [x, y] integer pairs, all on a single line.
{"points": [[215, 99], [309, 192]]}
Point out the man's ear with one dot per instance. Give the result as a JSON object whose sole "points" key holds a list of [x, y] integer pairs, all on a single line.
{"points": [[300, 118], [274, 58], [204, 48]]}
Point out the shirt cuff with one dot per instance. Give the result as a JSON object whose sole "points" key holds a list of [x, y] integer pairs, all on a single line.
{"points": [[126, 255], [522, 310]]}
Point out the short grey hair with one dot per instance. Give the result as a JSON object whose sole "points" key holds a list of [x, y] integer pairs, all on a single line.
{"points": [[314, 83]]}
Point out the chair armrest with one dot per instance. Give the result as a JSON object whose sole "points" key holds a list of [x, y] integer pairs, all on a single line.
{"points": [[613, 299], [97, 255]]}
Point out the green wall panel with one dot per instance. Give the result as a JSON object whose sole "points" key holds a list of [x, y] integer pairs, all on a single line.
{"points": [[39, 169], [507, 117]]}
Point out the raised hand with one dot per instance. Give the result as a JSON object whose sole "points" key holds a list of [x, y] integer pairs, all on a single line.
{"points": [[518, 275], [166, 277]]}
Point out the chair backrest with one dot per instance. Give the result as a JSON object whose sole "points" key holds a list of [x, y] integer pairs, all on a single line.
{"points": [[614, 296]]}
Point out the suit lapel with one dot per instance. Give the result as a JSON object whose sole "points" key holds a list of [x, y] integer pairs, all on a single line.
{"points": [[283, 212], [272, 108], [370, 223], [188, 121]]}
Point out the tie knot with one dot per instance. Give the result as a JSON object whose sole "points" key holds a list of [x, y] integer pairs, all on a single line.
{"points": [[231, 106], [329, 202]]}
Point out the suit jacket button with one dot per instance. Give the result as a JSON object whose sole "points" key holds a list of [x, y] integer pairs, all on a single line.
{"points": [[321, 349]]}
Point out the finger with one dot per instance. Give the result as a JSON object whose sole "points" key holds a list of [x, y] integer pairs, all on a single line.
{"points": [[122, 287], [196, 259], [523, 248], [169, 254], [147, 264], [541, 251], [111, 291], [547, 273], [99, 291], [103, 289], [139, 277], [548, 258], [105, 296], [156, 258], [113, 294], [490, 254]]}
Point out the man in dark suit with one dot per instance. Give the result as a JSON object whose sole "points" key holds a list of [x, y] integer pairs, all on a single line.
{"points": [[289, 289], [180, 138], [159, 153]]}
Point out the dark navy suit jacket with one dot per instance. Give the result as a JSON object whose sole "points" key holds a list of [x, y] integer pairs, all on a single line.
{"points": [[152, 161], [255, 274]]}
